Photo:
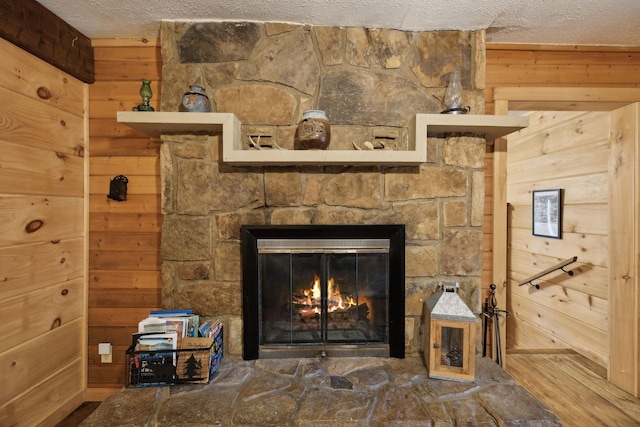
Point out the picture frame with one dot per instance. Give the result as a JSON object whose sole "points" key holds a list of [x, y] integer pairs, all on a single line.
{"points": [[547, 213]]}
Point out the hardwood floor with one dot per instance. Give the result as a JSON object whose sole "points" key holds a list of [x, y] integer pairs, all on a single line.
{"points": [[79, 414], [575, 388]]}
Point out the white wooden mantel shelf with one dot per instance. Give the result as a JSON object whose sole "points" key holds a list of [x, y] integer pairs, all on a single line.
{"points": [[156, 124]]}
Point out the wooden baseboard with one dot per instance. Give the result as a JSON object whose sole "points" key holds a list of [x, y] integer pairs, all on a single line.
{"points": [[99, 394]]}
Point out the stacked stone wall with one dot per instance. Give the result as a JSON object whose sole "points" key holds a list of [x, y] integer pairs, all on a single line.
{"points": [[370, 82]]}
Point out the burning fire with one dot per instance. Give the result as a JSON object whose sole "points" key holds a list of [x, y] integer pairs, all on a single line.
{"points": [[312, 298]]}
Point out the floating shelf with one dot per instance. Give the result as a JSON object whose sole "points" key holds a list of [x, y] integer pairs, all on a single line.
{"points": [[156, 124], [490, 126]]}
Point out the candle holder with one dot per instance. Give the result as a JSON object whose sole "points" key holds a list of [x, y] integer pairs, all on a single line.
{"points": [[453, 96], [146, 94]]}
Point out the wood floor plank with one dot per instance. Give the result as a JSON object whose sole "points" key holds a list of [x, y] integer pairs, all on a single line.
{"points": [[600, 408], [519, 366], [573, 366], [75, 418], [574, 388]]}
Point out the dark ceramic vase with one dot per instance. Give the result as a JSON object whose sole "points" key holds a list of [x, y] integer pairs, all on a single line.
{"points": [[314, 131]]}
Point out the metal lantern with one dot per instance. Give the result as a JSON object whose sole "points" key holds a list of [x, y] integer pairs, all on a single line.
{"points": [[449, 335]]}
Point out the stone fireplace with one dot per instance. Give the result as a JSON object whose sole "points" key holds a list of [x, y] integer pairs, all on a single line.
{"points": [[370, 82]]}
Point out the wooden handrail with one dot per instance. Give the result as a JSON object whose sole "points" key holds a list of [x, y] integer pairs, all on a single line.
{"points": [[559, 266]]}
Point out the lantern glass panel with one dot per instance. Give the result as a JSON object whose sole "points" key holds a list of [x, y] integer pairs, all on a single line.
{"points": [[452, 346]]}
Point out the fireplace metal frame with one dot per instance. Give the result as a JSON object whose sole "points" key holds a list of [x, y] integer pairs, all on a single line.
{"points": [[250, 234]]}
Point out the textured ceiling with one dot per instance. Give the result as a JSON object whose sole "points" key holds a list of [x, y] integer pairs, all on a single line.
{"points": [[590, 22]]}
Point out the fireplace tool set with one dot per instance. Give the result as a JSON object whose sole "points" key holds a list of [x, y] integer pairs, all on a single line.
{"points": [[492, 313]]}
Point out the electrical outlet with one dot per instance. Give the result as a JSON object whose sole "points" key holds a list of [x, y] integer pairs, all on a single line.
{"points": [[105, 352]]}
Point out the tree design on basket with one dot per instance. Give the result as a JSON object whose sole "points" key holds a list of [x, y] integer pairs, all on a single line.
{"points": [[193, 368]]}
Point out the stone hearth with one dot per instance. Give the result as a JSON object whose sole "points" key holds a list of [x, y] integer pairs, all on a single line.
{"points": [[329, 392]]}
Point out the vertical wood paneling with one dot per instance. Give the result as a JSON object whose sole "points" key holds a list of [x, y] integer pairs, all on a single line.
{"points": [[624, 292], [124, 237], [42, 233]]}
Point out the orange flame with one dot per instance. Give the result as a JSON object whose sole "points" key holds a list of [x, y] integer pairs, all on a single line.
{"points": [[335, 301]]}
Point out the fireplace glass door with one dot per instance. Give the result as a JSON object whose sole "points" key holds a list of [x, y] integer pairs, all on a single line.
{"points": [[323, 292]]}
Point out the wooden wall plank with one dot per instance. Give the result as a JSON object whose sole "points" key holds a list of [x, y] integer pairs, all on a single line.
{"points": [[126, 71], [591, 248], [107, 279], [593, 75], [589, 218], [100, 241], [52, 86], [55, 398], [560, 164], [26, 268], [31, 219], [592, 189], [110, 165], [587, 278], [590, 342], [139, 203], [107, 375], [140, 42], [525, 336], [130, 260], [578, 306], [111, 128], [136, 147], [52, 307], [39, 359], [116, 335], [56, 129], [123, 317], [562, 57], [34, 171], [582, 129], [129, 54], [125, 298], [125, 222], [127, 90]]}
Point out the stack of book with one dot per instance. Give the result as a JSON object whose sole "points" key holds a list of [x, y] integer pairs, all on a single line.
{"points": [[181, 322]]}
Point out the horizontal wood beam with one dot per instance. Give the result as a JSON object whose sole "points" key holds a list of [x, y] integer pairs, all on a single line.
{"points": [[560, 47], [524, 98], [32, 27]]}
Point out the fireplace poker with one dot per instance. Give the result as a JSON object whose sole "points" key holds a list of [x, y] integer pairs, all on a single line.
{"points": [[495, 315], [485, 320]]}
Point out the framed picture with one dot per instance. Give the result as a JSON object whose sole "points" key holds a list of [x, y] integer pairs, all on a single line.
{"points": [[547, 213]]}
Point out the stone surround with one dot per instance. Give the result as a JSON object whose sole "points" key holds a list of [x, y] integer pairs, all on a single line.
{"points": [[329, 392], [370, 82]]}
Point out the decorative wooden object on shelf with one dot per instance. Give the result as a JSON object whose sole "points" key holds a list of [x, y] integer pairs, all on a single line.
{"points": [[422, 125]]}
